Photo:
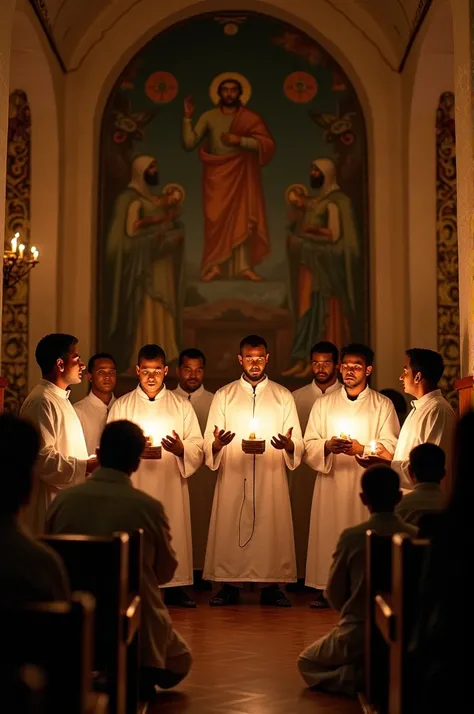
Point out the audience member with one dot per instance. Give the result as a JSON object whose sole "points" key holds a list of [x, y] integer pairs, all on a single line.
{"points": [[442, 634], [29, 571], [427, 468], [336, 662], [106, 503]]}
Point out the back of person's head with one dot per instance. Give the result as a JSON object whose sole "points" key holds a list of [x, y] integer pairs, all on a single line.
{"points": [[51, 348], [427, 463], [253, 341], [397, 399], [358, 350], [325, 348], [121, 446], [380, 489], [151, 352], [19, 446], [428, 363]]}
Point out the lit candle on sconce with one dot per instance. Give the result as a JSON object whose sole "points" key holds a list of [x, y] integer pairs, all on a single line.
{"points": [[14, 242], [21, 251]]}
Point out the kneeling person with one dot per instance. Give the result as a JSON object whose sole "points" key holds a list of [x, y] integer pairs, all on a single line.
{"points": [[335, 663], [108, 503]]}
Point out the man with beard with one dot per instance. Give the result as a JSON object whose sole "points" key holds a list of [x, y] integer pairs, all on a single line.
{"points": [[324, 360], [63, 457], [191, 372], [323, 245], [170, 422], [251, 533], [343, 426], [237, 144], [144, 269], [94, 409]]}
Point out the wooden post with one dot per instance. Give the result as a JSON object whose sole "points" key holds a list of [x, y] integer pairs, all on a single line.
{"points": [[3, 386], [465, 389]]}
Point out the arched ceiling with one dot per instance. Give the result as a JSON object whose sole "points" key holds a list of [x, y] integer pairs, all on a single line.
{"points": [[67, 21]]}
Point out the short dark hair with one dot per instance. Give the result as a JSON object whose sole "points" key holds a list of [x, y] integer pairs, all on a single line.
{"points": [[253, 341], [428, 463], [359, 350], [98, 356], [381, 486], [51, 348], [121, 445], [428, 362], [234, 81], [191, 353], [151, 352], [397, 399], [324, 347], [19, 446]]}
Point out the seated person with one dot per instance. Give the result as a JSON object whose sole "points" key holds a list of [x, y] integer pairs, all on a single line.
{"points": [[427, 468], [29, 571], [335, 663], [106, 503]]}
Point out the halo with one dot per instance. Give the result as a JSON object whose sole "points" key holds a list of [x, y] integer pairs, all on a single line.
{"points": [[246, 88], [298, 188]]}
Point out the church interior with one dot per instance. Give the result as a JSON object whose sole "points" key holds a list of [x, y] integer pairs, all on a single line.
{"points": [[184, 174]]}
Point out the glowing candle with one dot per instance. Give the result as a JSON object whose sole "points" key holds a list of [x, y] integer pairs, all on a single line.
{"points": [[345, 430], [253, 427], [151, 431], [373, 447], [21, 250], [14, 243], [36, 254]]}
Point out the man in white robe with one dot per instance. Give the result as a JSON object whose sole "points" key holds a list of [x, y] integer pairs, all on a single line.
{"points": [[251, 532], [324, 361], [191, 372], [170, 422], [108, 503], [342, 426], [94, 409], [63, 457], [335, 663], [431, 419]]}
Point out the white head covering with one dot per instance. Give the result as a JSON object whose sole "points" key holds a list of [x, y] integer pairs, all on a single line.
{"points": [[139, 166], [328, 168]]}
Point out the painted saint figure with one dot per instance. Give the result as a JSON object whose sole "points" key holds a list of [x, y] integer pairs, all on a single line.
{"points": [[144, 262], [323, 246], [237, 144]]}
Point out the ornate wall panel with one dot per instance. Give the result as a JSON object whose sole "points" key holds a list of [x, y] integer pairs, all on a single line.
{"points": [[447, 245], [17, 218]]}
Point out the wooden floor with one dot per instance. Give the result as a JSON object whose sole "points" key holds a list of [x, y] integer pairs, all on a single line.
{"points": [[245, 660]]}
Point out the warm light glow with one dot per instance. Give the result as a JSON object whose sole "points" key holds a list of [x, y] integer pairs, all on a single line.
{"points": [[17, 235], [345, 430], [21, 250], [14, 243], [152, 430], [253, 426], [373, 447], [36, 254], [33, 249]]}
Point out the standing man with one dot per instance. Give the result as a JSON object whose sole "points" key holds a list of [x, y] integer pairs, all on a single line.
{"points": [[94, 409], [431, 419], [170, 422], [237, 144], [324, 360], [251, 533], [341, 427], [63, 457], [190, 373]]}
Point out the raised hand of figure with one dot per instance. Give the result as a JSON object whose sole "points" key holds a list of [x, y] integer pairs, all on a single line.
{"points": [[284, 442], [230, 139], [221, 438], [173, 444], [189, 106]]}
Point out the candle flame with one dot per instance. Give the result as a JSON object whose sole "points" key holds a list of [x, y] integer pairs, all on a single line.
{"points": [[17, 235], [373, 447], [253, 426]]}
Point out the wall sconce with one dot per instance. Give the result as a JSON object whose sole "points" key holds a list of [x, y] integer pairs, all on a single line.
{"points": [[18, 262]]}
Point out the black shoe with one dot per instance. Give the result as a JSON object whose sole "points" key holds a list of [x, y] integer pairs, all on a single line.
{"points": [[178, 597], [272, 596], [227, 595], [320, 602]]}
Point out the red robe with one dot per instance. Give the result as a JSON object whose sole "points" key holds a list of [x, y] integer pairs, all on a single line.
{"points": [[233, 196]]}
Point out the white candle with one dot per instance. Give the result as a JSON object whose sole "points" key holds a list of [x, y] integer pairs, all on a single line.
{"points": [[14, 243], [21, 250], [344, 430], [36, 254], [253, 426], [373, 447], [151, 431]]}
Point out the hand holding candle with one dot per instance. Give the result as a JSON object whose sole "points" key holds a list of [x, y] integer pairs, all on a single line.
{"points": [[153, 449]]}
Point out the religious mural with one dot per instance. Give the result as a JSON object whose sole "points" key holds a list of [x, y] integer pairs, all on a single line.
{"points": [[14, 358], [447, 246], [233, 197]]}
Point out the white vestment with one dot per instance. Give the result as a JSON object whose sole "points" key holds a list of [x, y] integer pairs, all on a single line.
{"points": [[302, 479], [251, 533], [432, 420], [93, 413], [336, 503], [202, 484], [166, 479], [63, 452]]}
